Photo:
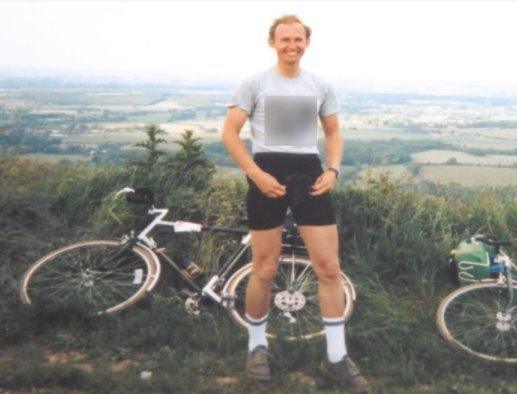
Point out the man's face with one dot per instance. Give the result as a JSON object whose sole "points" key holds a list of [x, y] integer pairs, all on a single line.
{"points": [[289, 42]]}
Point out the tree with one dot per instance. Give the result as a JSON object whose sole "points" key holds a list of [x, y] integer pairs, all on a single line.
{"points": [[191, 152], [152, 154], [181, 179], [190, 165]]}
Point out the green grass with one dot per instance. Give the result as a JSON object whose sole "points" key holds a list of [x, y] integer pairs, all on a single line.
{"points": [[394, 248]]}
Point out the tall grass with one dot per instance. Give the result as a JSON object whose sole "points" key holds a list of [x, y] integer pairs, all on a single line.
{"points": [[394, 247]]}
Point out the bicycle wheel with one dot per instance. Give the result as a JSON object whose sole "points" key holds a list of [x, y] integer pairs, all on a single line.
{"points": [[100, 276], [294, 311], [471, 318]]}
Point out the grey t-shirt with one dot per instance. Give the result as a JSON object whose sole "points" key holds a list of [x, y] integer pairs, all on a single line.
{"points": [[283, 112]]}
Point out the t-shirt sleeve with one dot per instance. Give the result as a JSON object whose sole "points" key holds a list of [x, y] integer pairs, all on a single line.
{"points": [[330, 104], [243, 97]]}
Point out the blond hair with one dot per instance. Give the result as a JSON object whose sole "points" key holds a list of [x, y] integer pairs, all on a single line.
{"points": [[286, 19]]}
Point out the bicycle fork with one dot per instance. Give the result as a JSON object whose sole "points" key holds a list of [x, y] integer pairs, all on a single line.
{"points": [[504, 316]]}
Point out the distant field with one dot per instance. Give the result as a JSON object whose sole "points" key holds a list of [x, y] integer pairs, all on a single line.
{"points": [[128, 139], [435, 156], [362, 132], [366, 119], [55, 158], [126, 126], [484, 143], [198, 127], [470, 176], [131, 132], [93, 139], [59, 110], [165, 105], [396, 172], [490, 138], [509, 134]]}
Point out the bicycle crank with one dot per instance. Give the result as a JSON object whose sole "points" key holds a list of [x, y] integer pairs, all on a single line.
{"points": [[192, 305], [289, 301]]}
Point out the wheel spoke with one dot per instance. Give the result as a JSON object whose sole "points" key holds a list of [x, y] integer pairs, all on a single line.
{"points": [[471, 317], [283, 275], [305, 272], [302, 323], [80, 274]]}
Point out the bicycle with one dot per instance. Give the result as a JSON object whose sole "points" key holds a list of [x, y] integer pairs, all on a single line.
{"points": [[108, 276], [481, 318]]}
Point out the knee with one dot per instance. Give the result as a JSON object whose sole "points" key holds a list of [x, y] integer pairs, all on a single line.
{"points": [[264, 269], [327, 270]]}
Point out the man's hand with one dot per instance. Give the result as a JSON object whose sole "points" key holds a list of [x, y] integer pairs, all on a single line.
{"points": [[268, 185], [325, 183]]}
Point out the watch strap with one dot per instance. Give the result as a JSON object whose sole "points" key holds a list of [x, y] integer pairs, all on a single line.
{"points": [[335, 171]]}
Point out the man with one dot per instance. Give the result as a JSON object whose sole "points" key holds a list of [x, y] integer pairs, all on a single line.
{"points": [[282, 105]]}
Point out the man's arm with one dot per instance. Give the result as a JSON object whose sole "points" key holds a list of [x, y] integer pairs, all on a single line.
{"points": [[333, 154], [235, 120], [333, 140], [233, 124]]}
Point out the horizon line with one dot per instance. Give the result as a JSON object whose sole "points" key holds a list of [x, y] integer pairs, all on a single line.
{"points": [[125, 78]]}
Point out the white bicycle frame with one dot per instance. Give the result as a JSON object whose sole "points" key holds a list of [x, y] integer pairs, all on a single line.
{"points": [[179, 227]]}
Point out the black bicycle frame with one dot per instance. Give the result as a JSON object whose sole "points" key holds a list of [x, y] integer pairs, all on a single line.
{"points": [[290, 244], [222, 273]]}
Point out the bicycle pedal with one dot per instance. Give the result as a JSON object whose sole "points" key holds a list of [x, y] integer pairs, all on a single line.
{"points": [[192, 306], [228, 301]]}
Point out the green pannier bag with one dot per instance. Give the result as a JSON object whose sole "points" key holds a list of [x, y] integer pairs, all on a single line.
{"points": [[470, 261]]}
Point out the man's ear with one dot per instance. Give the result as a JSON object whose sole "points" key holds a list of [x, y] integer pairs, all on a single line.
{"points": [[270, 42], [308, 41]]}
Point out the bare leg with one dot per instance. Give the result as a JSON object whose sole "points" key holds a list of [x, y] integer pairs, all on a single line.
{"points": [[265, 246], [322, 245]]}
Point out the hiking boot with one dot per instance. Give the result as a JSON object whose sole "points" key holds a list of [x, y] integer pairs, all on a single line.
{"points": [[346, 373], [257, 366]]}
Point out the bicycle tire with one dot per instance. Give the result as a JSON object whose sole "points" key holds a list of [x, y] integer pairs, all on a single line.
{"points": [[307, 319], [468, 319], [76, 276]]}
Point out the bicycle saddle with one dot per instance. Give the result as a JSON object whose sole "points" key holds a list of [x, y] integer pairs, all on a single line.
{"points": [[141, 195], [298, 188]]}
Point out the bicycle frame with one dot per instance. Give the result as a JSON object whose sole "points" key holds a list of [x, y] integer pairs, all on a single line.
{"points": [[210, 289], [503, 265], [506, 263]]}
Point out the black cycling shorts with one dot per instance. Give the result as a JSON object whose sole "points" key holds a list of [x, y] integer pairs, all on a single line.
{"points": [[267, 213]]}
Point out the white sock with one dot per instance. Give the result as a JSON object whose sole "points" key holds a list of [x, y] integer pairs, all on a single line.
{"points": [[256, 332], [335, 333]]}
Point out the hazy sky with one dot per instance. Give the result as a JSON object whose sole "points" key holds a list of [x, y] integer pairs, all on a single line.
{"points": [[431, 43]]}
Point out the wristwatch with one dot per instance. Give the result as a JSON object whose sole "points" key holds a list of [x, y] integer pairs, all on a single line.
{"points": [[335, 171]]}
